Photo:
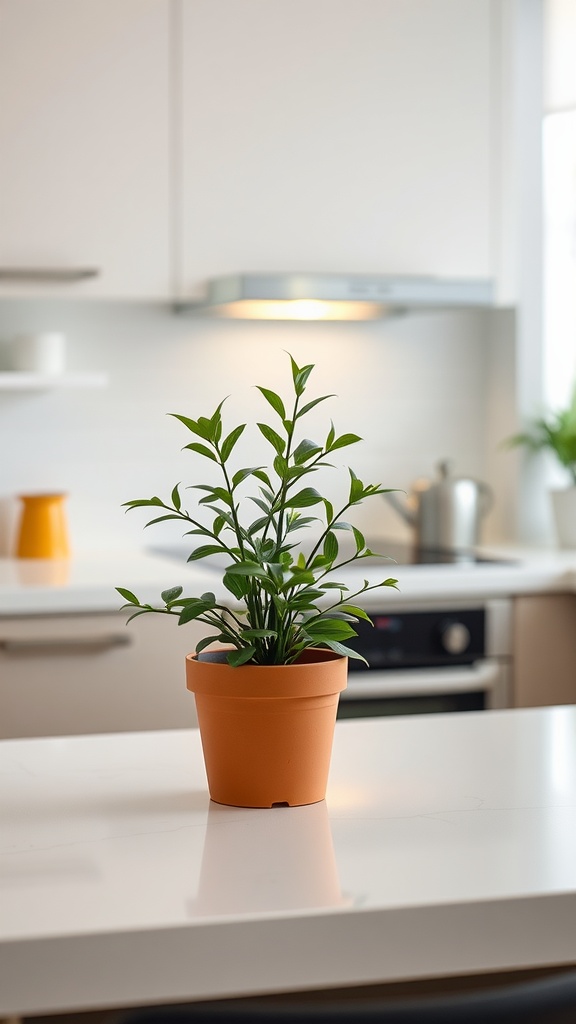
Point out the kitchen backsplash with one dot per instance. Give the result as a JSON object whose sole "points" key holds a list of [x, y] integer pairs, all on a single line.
{"points": [[417, 388]]}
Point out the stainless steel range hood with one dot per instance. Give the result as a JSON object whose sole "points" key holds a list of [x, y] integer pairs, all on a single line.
{"points": [[333, 296]]}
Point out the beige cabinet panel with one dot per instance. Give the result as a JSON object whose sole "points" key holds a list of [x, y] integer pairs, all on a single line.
{"points": [[67, 674], [545, 650], [337, 135], [84, 144]]}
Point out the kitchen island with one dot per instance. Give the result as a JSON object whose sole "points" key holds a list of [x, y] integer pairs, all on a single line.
{"points": [[446, 846]]}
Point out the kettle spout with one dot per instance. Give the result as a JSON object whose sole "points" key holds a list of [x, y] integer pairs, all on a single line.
{"points": [[403, 507]]}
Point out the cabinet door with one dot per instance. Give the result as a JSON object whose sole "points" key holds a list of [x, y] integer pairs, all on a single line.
{"points": [[544, 650], [84, 148], [336, 135], [70, 674]]}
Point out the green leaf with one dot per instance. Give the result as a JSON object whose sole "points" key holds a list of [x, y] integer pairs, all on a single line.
{"points": [[209, 425], [171, 595], [295, 472], [267, 494], [127, 595], [258, 525], [205, 642], [329, 629], [175, 498], [142, 502], [204, 551], [240, 657], [143, 611], [275, 440], [214, 493], [358, 613], [162, 519], [226, 516], [217, 525], [330, 547], [346, 652], [237, 585], [306, 597], [300, 376], [307, 496], [301, 522], [319, 562], [330, 437], [310, 405], [274, 400], [201, 427], [329, 510], [356, 488], [246, 569], [359, 538], [265, 506], [202, 450], [230, 441], [298, 579], [343, 441], [280, 466], [242, 474], [191, 611], [216, 423], [306, 450], [295, 368], [253, 634], [261, 475]]}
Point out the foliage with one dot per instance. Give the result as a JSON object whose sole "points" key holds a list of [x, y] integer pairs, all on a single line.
{"points": [[556, 433], [289, 601]]}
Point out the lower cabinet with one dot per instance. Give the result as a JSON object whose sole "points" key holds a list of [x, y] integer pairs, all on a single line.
{"points": [[71, 674], [544, 650]]}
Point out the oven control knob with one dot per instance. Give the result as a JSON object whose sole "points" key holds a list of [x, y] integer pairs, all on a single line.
{"points": [[454, 637]]}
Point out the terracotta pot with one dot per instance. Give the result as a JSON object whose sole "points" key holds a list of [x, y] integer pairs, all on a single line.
{"points": [[267, 730]]}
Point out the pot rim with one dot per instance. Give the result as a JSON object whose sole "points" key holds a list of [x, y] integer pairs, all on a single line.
{"points": [[321, 671]]}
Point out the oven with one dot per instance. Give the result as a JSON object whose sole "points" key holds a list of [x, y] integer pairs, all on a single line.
{"points": [[431, 656]]}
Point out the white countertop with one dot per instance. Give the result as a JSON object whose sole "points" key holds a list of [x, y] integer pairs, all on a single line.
{"points": [[87, 582], [446, 845]]}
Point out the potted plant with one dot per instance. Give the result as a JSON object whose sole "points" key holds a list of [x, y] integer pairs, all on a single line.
{"points": [[557, 433], [267, 700]]}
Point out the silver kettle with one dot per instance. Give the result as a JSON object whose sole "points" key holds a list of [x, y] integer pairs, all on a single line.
{"points": [[445, 512]]}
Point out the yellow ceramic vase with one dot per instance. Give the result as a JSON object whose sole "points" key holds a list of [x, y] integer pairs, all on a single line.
{"points": [[43, 531]]}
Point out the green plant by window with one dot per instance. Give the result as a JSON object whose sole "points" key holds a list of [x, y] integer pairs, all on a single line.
{"points": [[556, 433], [285, 600]]}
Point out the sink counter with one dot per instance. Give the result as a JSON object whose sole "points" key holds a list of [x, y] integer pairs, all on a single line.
{"points": [[87, 582]]}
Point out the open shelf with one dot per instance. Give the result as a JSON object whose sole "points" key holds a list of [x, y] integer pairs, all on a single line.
{"points": [[14, 380]]}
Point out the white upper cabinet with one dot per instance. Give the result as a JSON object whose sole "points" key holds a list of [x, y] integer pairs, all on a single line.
{"points": [[84, 147], [336, 135]]}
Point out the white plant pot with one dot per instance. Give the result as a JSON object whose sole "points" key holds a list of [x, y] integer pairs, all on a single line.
{"points": [[564, 507]]}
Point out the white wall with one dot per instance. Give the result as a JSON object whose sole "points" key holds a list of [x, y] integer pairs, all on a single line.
{"points": [[416, 388]]}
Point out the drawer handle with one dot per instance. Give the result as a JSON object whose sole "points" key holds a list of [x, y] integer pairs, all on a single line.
{"points": [[65, 645], [47, 275]]}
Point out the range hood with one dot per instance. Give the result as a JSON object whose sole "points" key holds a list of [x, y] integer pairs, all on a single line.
{"points": [[333, 296]]}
